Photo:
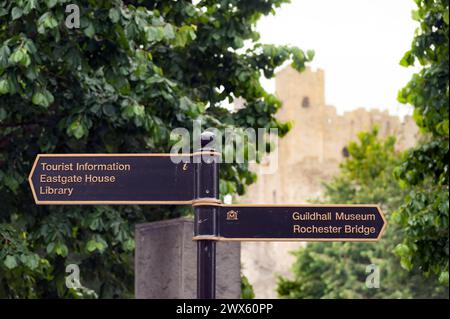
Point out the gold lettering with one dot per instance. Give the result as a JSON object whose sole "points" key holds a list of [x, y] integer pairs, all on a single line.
{"points": [[298, 229], [57, 167], [359, 229], [351, 216], [99, 179], [103, 167], [311, 216], [43, 178], [47, 190]]}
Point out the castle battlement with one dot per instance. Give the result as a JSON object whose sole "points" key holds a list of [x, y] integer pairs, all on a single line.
{"points": [[318, 128]]}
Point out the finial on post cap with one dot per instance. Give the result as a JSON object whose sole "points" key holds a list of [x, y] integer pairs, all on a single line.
{"points": [[206, 138]]}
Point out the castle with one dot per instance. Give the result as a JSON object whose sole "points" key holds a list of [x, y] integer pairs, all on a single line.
{"points": [[308, 155]]}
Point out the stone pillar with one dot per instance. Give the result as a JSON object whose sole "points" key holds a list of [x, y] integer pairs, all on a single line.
{"points": [[166, 262]]}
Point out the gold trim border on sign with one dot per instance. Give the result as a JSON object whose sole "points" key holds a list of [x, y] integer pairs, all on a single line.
{"points": [[39, 156], [382, 230], [219, 238]]}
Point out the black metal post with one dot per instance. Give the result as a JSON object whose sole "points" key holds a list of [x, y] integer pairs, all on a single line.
{"points": [[207, 185], [206, 269]]}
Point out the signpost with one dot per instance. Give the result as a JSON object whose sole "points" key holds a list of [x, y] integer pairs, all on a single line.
{"points": [[193, 179], [298, 223], [113, 178]]}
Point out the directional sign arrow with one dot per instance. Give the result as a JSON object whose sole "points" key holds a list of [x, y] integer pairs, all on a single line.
{"points": [[113, 178], [299, 223]]}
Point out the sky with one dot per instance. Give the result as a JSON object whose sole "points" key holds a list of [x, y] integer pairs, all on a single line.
{"points": [[358, 43]]}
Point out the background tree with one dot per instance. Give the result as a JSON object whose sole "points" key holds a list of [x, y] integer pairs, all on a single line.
{"points": [[132, 72], [246, 288], [424, 171], [338, 270]]}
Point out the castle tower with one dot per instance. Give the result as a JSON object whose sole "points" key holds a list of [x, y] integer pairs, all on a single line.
{"points": [[303, 98]]}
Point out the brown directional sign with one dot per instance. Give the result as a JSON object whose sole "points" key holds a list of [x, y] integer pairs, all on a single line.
{"points": [[300, 223], [113, 179]]}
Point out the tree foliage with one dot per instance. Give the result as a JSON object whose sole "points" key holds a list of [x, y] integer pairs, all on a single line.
{"points": [[338, 270], [247, 291], [132, 72], [424, 171]]}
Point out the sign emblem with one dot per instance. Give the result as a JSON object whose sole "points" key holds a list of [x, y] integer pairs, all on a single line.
{"points": [[232, 215]]}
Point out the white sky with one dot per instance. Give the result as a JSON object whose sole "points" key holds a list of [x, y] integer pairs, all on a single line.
{"points": [[358, 43]]}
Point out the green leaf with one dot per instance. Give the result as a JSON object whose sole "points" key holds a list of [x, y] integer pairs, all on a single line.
{"points": [[32, 261], [89, 31], [30, 46], [50, 248], [401, 96], [25, 61], [238, 42], [77, 129], [39, 99], [46, 21], [190, 108], [246, 289], [49, 96], [139, 110], [17, 56], [128, 245], [185, 103], [43, 98], [61, 249], [100, 246], [10, 262], [443, 278], [133, 110], [51, 3], [4, 56], [4, 86], [30, 5], [442, 128], [168, 31], [155, 34], [16, 13], [310, 54], [184, 35], [114, 15], [407, 59], [91, 245], [445, 17]]}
